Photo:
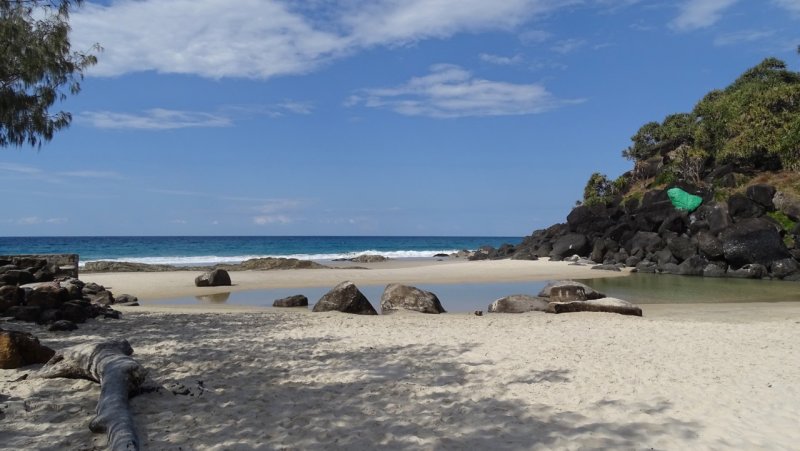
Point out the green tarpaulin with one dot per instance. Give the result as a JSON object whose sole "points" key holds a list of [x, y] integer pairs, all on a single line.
{"points": [[683, 200]]}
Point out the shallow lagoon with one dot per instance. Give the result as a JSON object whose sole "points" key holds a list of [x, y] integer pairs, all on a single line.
{"points": [[637, 288]]}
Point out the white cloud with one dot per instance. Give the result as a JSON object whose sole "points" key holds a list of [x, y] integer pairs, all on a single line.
{"points": [[178, 221], [532, 37], [450, 91], [792, 6], [740, 37], [30, 220], [267, 38], [153, 119], [93, 174], [568, 45], [19, 169], [500, 60], [57, 220], [696, 14], [272, 219]]}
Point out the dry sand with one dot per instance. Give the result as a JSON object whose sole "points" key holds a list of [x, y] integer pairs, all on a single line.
{"points": [[161, 285], [683, 377]]}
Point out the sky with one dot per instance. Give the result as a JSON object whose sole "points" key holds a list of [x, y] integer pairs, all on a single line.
{"points": [[368, 117]]}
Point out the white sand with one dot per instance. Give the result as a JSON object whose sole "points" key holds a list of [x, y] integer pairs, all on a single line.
{"points": [[721, 376], [162, 285], [683, 377]]}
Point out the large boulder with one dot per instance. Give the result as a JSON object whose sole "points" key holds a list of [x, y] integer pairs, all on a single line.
{"points": [[784, 268], [709, 245], [297, 300], [519, 303], [215, 278], [762, 194], [715, 215], [644, 242], [48, 296], [16, 277], [753, 241], [589, 292], [681, 247], [692, 266], [741, 207], [10, 296], [608, 305], [749, 271], [18, 349], [403, 297], [346, 298], [570, 244]]}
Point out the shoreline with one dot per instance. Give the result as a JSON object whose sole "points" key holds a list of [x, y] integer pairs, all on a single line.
{"points": [[149, 286]]}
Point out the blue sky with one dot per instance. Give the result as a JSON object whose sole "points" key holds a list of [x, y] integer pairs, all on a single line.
{"points": [[356, 117]]}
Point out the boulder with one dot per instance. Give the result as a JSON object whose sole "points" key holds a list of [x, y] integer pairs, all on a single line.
{"points": [[681, 247], [92, 288], [27, 313], [692, 266], [788, 204], [715, 269], [749, 271], [741, 207], [669, 268], [784, 268], [646, 267], [126, 299], [646, 242], [519, 303], [74, 287], [715, 214], [664, 257], [76, 311], [607, 267], [397, 297], [608, 305], [346, 298], [49, 316], [570, 244], [16, 277], [18, 349], [762, 194], [214, 278], [104, 297], [589, 292], [367, 258], [483, 253], [10, 296], [753, 241], [566, 293], [48, 296], [709, 245], [62, 326], [297, 300]]}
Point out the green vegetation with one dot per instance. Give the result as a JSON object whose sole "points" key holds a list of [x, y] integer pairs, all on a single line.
{"points": [[37, 66], [753, 124], [786, 223]]}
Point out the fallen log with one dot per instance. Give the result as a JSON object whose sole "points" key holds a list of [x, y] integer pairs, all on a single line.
{"points": [[109, 363]]}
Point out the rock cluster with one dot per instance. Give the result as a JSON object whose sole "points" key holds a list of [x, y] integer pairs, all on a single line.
{"points": [[740, 237], [47, 302], [267, 263], [18, 349], [564, 296]]}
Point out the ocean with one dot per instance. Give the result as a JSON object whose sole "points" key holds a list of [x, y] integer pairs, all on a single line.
{"points": [[210, 250]]}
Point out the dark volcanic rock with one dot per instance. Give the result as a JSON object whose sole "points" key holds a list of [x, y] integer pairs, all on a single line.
{"points": [[519, 303], [48, 296], [126, 299], [215, 278], [10, 296], [570, 244], [347, 298], [741, 207], [104, 297], [750, 271], [762, 194], [692, 266], [18, 349], [646, 267], [715, 214], [297, 300], [607, 267], [709, 245], [784, 268], [715, 269], [681, 247], [753, 241], [403, 297], [27, 313], [647, 242]]}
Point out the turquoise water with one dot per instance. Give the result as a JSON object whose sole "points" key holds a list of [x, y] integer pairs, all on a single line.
{"points": [[208, 250], [640, 289]]}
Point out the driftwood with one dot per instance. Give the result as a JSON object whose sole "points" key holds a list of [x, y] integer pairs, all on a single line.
{"points": [[109, 363]]}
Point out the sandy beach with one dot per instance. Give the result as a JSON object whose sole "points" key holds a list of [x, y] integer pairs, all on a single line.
{"points": [[721, 376], [161, 285]]}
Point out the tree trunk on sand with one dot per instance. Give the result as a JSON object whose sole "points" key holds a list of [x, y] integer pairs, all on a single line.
{"points": [[109, 363]]}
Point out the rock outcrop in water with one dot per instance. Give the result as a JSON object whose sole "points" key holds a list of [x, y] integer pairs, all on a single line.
{"points": [[262, 264]]}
